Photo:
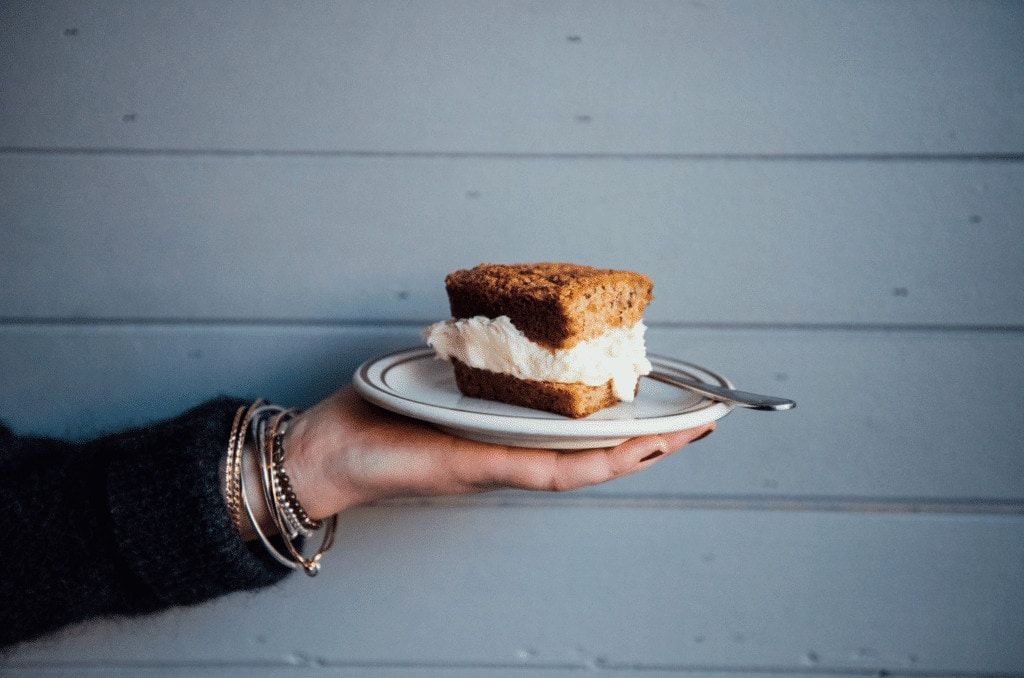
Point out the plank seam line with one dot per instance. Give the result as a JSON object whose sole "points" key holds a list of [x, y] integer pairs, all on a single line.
{"points": [[880, 670], [304, 661], [739, 502], [506, 155], [301, 660], [171, 321]]}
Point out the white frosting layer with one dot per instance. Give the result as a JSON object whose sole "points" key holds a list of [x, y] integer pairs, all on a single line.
{"points": [[497, 345]]}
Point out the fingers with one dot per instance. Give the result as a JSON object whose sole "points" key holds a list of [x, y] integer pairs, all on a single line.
{"points": [[425, 461], [560, 471], [672, 442]]}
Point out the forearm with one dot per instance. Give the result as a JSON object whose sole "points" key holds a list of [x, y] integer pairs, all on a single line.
{"points": [[128, 523], [59, 562]]}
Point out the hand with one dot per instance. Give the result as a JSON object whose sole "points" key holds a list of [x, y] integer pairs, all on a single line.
{"points": [[345, 452]]}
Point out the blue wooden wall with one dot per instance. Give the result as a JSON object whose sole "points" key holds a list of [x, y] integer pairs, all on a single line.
{"points": [[201, 197]]}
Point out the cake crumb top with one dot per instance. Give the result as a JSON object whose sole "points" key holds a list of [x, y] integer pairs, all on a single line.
{"points": [[555, 304], [544, 279]]}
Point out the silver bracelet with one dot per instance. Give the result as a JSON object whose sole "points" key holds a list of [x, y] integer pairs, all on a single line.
{"points": [[294, 521], [259, 424], [291, 521], [271, 549]]}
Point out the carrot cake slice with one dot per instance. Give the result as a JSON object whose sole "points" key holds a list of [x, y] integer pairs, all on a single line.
{"points": [[559, 337]]}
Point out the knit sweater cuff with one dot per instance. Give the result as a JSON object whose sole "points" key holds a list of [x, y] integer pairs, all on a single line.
{"points": [[169, 514]]}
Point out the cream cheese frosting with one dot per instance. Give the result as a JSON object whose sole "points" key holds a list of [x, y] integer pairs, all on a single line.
{"points": [[495, 344]]}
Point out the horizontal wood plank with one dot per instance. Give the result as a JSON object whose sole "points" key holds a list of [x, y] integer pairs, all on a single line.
{"points": [[429, 671], [359, 238], [905, 416], [630, 588], [461, 75]]}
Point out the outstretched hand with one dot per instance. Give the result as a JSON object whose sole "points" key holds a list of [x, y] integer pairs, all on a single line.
{"points": [[344, 452]]}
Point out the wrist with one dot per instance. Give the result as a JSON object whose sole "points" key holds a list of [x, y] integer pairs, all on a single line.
{"points": [[263, 459], [309, 449], [299, 455]]}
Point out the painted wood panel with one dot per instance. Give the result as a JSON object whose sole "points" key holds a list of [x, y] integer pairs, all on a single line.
{"points": [[919, 417], [357, 238], [617, 588], [536, 77], [259, 196]]}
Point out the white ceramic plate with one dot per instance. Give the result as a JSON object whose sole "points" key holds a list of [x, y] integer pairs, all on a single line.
{"points": [[415, 383]]}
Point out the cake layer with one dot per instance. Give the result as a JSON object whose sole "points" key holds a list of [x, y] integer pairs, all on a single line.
{"points": [[570, 400], [555, 305], [616, 356]]}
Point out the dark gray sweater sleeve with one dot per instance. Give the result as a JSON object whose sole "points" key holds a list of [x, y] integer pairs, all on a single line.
{"points": [[128, 523]]}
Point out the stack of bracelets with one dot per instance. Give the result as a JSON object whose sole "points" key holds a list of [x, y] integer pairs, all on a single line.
{"points": [[266, 425]]}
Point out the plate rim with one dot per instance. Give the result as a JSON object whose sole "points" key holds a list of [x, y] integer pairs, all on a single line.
{"points": [[566, 428]]}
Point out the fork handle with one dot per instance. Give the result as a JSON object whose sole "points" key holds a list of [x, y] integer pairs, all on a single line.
{"points": [[753, 401]]}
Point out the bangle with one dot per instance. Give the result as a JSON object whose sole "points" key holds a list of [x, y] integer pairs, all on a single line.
{"points": [[286, 515], [291, 521], [229, 469], [271, 549], [233, 466], [310, 565]]}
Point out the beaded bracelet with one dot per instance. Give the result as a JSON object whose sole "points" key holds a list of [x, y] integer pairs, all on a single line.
{"points": [[293, 509], [292, 523], [270, 489]]}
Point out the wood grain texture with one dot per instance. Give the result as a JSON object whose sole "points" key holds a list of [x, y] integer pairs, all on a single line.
{"points": [[564, 586], [911, 416], [538, 77], [358, 238]]}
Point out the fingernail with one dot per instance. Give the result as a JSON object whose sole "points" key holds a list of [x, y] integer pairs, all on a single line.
{"points": [[652, 455], [704, 435]]}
